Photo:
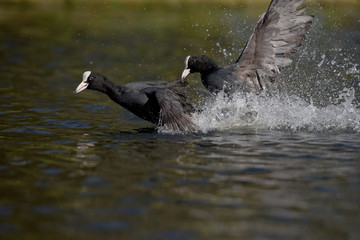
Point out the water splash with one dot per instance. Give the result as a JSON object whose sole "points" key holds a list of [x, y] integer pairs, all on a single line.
{"points": [[280, 112]]}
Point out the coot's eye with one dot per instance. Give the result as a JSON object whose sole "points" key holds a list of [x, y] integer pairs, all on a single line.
{"points": [[91, 78]]}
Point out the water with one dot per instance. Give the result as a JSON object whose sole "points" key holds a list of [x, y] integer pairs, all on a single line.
{"points": [[77, 166]]}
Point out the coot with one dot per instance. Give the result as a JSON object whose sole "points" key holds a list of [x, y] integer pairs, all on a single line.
{"points": [[276, 36], [162, 103]]}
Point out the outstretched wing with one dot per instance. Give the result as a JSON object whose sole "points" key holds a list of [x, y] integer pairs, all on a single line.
{"points": [[276, 36]]}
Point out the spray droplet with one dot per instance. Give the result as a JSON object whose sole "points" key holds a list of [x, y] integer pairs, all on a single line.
{"points": [[322, 60]]}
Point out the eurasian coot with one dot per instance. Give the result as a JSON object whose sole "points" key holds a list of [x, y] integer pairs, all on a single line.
{"points": [[276, 36], [162, 103]]}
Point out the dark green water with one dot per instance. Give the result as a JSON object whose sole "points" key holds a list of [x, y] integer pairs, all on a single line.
{"points": [[77, 166]]}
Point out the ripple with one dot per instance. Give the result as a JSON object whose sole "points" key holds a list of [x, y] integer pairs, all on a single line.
{"points": [[46, 209], [68, 123], [128, 210], [20, 163], [251, 170], [94, 182], [55, 151], [44, 110], [5, 210], [64, 141], [175, 235], [52, 171], [7, 227], [74, 124], [17, 59], [308, 156], [107, 226], [5, 105], [3, 168], [96, 107], [325, 189], [27, 130]]}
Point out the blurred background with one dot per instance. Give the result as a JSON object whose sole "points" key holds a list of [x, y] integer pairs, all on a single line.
{"points": [[78, 166]]}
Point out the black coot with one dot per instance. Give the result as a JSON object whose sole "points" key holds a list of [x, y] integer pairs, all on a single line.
{"points": [[276, 36], [162, 103]]}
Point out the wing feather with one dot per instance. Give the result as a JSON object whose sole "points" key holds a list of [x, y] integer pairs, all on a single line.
{"points": [[172, 113], [276, 36]]}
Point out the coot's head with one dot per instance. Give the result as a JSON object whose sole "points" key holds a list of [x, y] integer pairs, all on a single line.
{"points": [[91, 80], [201, 64]]}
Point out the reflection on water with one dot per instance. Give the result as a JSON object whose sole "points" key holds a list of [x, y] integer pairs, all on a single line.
{"points": [[79, 166], [84, 157]]}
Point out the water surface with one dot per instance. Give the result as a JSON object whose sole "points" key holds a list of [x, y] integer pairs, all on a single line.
{"points": [[78, 166]]}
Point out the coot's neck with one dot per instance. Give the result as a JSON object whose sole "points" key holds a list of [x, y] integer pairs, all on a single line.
{"points": [[205, 74], [206, 66], [113, 91]]}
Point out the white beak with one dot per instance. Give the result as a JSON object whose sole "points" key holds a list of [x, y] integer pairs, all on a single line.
{"points": [[185, 73], [83, 85], [186, 70]]}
